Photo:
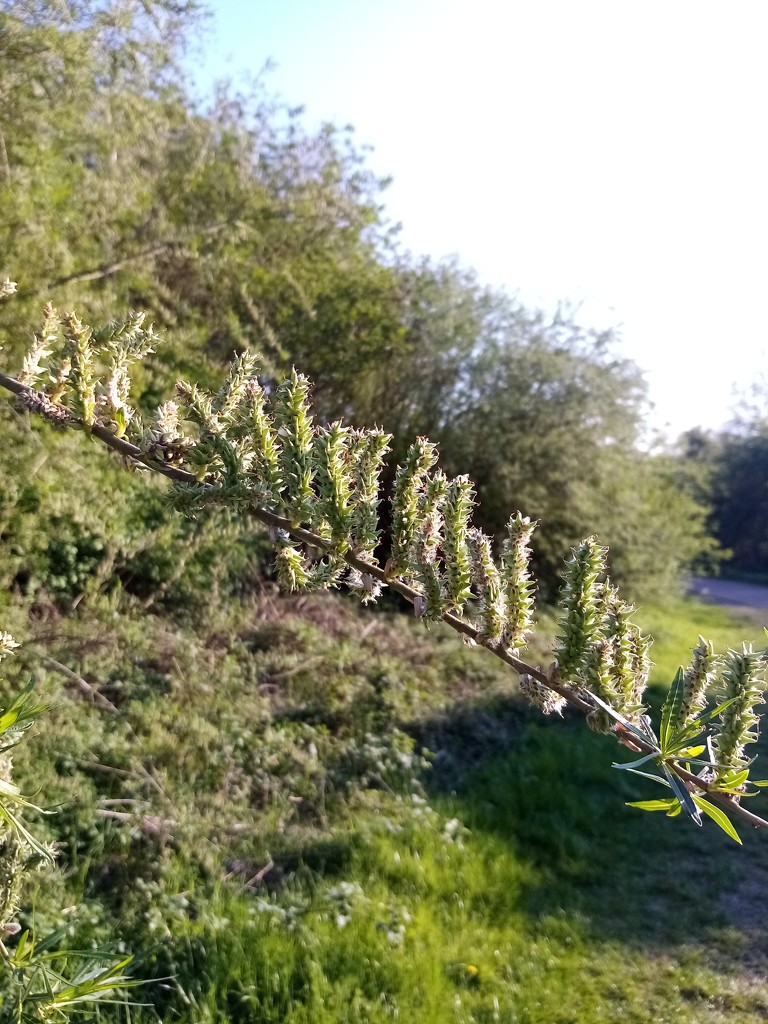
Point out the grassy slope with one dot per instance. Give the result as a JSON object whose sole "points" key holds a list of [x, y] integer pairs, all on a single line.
{"points": [[288, 857]]}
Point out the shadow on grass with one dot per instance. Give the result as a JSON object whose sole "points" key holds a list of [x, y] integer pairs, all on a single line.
{"points": [[545, 788]]}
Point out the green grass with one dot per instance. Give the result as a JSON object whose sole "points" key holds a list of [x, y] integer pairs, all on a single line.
{"points": [[508, 882], [676, 626]]}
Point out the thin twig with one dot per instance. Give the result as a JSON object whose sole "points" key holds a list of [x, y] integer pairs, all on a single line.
{"points": [[258, 878], [150, 824], [4, 163], [108, 269], [82, 685]]}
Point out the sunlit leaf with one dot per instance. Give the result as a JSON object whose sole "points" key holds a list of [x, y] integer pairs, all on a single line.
{"points": [[719, 817], [655, 805], [682, 794], [633, 764], [671, 709], [692, 752]]}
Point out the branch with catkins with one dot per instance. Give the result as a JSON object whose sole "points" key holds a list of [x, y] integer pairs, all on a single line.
{"points": [[260, 453]]}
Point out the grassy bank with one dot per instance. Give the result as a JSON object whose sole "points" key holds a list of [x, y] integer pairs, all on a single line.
{"points": [[298, 812]]}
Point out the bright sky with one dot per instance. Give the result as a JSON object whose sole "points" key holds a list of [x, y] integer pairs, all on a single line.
{"points": [[611, 154]]}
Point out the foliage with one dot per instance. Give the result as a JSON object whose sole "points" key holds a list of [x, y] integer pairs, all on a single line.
{"points": [[41, 981], [733, 465], [239, 230]]}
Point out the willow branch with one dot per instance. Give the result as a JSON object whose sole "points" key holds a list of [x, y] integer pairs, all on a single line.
{"points": [[131, 451], [32, 397]]}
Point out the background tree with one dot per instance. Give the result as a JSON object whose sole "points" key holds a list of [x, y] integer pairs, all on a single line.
{"points": [[727, 469], [237, 229]]}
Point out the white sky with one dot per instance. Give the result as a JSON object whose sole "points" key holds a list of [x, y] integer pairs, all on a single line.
{"points": [[609, 153]]}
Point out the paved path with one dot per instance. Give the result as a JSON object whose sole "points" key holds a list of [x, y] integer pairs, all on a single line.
{"points": [[729, 592]]}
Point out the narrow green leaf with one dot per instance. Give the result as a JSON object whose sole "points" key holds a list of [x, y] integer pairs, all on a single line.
{"points": [[633, 764], [647, 775], [682, 795], [670, 711], [7, 720], [9, 790], [734, 779], [719, 817], [655, 805], [692, 752], [21, 947], [678, 741], [18, 826], [704, 718]]}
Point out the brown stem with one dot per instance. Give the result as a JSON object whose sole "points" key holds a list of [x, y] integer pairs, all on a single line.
{"points": [[108, 269], [83, 685], [4, 158], [573, 698]]}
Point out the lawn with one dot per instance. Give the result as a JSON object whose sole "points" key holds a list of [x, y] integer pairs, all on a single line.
{"points": [[318, 867]]}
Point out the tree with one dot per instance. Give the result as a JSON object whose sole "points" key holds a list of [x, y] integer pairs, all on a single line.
{"points": [[547, 418], [237, 230], [727, 470]]}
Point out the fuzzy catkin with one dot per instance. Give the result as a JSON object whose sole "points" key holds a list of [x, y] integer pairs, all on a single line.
{"points": [[518, 585], [458, 563], [580, 602], [738, 725]]}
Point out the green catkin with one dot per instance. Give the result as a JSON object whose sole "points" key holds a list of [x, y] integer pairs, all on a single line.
{"points": [[581, 606], [518, 585], [234, 390], [82, 379], [427, 546], [696, 681], [492, 611], [598, 676], [367, 451], [326, 573], [640, 645], [291, 569], [539, 696], [459, 503], [619, 631], [406, 501], [199, 405], [127, 340], [296, 435], [16, 843], [59, 375], [738, 725], [116, 393], [266, 474], [333, 513], [43, 346], [12, 863], [126, 343], [218, 452], [164, 441], [39, 403]]}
